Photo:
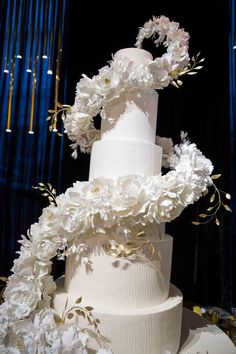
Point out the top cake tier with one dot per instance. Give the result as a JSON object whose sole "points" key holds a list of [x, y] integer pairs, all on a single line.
{"points": [[133, 115]]}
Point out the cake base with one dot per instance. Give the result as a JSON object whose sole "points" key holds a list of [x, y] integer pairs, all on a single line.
{"points": [[152, 330]]}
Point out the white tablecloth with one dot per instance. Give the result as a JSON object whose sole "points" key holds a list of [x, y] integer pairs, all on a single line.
{"points": [[200, 336]]}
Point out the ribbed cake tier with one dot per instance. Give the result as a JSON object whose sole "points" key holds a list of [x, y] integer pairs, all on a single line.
{"points": [[115, 283], [119, 158], [152, 330]]}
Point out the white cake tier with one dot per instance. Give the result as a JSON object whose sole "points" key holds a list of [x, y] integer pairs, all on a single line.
{"points": [[112, 159], [136, 55], [115, 283], [153, 330], [135, 117]]}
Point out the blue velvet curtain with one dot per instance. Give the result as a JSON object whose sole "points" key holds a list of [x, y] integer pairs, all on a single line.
{"points": [[232, 72], [32, 36], [29, 31]]}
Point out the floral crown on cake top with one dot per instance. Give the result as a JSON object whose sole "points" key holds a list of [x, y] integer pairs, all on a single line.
{"points": [[94, 94]]}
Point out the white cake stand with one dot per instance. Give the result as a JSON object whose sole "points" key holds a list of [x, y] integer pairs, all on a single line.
{"points": [[200, 336]]}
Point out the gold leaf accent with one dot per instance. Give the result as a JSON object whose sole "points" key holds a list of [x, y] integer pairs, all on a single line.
{"points": [[228, 196], [210, 208], [57, 319], [70, 315], [212, 198], [4, 279], [216, 176], [174, 84], [227, 207], [217, 222], [203, 215], [78, 301], [192, 73], [48, 191], [51, 111], [89, 308], [195, 223]]}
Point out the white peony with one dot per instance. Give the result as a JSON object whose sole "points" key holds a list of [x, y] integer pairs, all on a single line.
{"points": [[44, 248], [22, 295], [160, 69]]}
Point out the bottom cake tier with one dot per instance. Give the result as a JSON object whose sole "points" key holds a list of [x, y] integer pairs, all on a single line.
{"points": [[152, 330]]}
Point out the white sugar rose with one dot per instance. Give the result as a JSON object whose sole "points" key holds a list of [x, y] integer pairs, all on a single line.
{"points": [[22, 296], [45, 248]]}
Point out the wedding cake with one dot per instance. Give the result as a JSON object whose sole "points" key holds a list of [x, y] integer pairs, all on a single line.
{"points": [[116, 295], [139, 311]]}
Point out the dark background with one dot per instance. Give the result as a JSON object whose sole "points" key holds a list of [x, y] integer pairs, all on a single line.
{"points": [[202, 265]]}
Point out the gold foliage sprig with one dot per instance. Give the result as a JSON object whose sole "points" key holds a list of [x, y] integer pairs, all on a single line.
{"points": [[130, 247], [216, 201], [47, 191], [77, 309], [2, 288], [191, 69], [61, 112]]}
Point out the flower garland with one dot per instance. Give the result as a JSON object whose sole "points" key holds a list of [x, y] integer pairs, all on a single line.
{"points": [[28, 323], [121, 75]]}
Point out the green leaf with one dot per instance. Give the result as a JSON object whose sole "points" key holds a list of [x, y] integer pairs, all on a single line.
{"points": [[195, 223], [216, 176], [78, 301]]}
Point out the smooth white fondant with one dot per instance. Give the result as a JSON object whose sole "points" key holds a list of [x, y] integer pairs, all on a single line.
{"points": [[116, 158], [153, 330], [136, 55], [135, 116], [119, 283]]}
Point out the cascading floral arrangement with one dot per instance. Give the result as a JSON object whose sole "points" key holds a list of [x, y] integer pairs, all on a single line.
{"points": [[28, 323], [94, 94]]}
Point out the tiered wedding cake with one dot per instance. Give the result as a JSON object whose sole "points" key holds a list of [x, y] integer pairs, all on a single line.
{"points": [[139, 311], [111, 228]]}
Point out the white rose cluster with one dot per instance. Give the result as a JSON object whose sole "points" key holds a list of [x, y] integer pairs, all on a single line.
{"points": [[90, 208], [94, 94]]}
